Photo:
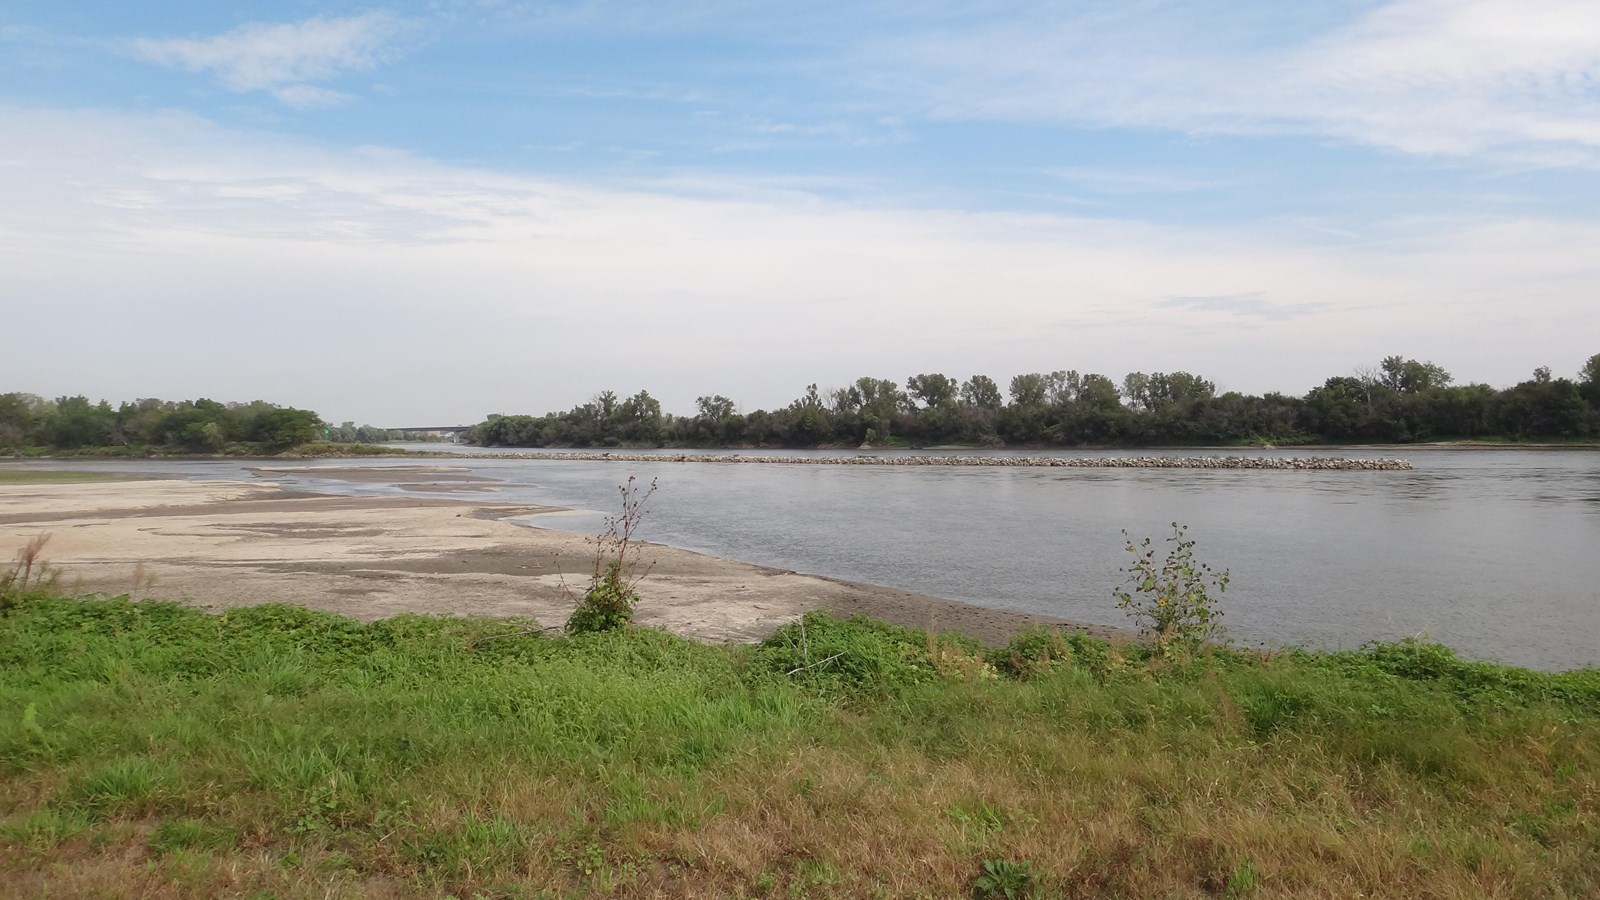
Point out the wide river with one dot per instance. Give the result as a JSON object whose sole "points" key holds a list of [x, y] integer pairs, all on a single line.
{"points": [[1494, 552]]}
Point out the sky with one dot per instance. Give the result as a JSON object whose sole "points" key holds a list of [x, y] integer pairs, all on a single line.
{"points": [[420, 213]]}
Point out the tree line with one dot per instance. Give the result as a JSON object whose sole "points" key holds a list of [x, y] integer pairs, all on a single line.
{"points": [[195, 426], [1399, 400]]}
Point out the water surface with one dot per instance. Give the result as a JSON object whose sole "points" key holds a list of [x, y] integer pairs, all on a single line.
{"points": [[1491, 551]]}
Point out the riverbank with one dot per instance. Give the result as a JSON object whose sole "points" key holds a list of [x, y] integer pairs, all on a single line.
{"points": [[152, 750], [230, 544]]}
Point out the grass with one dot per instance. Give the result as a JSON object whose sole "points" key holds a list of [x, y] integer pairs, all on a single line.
{"points": [[150, 749], [55, 476]]}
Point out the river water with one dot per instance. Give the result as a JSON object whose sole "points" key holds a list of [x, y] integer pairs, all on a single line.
{"points": [[1493, 552]]}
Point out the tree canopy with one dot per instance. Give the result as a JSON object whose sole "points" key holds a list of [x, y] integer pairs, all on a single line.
{"points": [[1398, 400]]}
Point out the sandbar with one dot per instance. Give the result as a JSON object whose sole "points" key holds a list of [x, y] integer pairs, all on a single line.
{"points": [[224, 544]]}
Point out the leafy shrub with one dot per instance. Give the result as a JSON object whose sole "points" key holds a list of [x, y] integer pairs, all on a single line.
{"points": [[1035, 652], [846, 655], [608, 602], [1171, 600]]}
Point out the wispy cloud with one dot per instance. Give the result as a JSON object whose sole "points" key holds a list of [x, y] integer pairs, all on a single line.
{"points": [[143, 222], [1249, 305], [1133, 181], [1453, 77], [285, 60]]}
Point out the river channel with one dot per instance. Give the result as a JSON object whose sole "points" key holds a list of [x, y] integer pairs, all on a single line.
{"points": [[1494, 552]]}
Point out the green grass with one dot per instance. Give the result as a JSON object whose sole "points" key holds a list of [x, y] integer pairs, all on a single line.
{"points": [[54, 476], [150, 749]]}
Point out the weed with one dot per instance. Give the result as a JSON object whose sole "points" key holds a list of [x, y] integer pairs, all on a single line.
{"points": [[1242, 881], [29, 574], [608, 602], [1004, 878], [1171, 599]]}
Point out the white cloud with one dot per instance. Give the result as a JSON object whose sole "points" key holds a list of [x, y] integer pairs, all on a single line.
{"points": [[305, 96], [179, 258], [285, 59], [1454, 77]]}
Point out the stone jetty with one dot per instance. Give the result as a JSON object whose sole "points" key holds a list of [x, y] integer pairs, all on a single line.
{"points": [[1311, 463]]}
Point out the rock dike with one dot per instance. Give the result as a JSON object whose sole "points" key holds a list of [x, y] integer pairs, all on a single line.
{"points": [[1309, 464]]}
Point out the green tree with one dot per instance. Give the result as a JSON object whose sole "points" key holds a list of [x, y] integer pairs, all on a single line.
{"points": [[933, 391], [881, 401], [20, 415], [1589, 381], [981, 392], [79, 423], [1028, 390], [637, 420], [284, 427], [1407, 376], [1541, 407]]}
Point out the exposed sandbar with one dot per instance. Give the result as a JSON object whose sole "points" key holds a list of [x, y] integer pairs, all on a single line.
{"points": [[224, 544]]}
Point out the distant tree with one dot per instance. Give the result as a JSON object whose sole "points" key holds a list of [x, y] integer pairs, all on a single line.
{"points": [[19, 416], [1541, 407], [1180, 388], [981, 392], [881, 401], [284, 427], [714, 409], [1589, 381], [1590, 373], [712, 421], [79, 423], [1028, 390], [1136, 390], [637, 420], [1407, 376], [933, 391]]}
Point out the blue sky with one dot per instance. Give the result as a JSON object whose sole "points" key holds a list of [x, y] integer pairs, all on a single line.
{"points": [[524, 203]]}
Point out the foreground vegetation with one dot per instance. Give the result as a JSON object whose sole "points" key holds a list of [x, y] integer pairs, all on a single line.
{"points": [[151, 749]]}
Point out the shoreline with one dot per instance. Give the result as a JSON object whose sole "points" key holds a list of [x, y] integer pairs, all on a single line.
{"points": [[228, 544], [775, 454]]}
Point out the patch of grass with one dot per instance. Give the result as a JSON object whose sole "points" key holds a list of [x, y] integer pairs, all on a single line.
{"points": [[154, 749], [190, 834], [123, 784]]}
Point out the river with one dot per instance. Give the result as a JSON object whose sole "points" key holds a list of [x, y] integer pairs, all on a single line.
{"points": [[1490, 551]]}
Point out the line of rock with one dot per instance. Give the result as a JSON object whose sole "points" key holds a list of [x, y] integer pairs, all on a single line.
{"points": [[1313, 463]]}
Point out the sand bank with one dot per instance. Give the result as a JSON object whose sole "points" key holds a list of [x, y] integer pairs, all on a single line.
{"points": [[224, 544]]}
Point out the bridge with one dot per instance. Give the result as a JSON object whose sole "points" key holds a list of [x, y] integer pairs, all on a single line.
{"points": [[442, 429]]}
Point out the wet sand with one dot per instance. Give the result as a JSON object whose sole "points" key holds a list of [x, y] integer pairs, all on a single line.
{"points": [[226, 544]]}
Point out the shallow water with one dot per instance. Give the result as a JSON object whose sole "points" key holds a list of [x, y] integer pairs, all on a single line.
{"points": [[1490, 551]]}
